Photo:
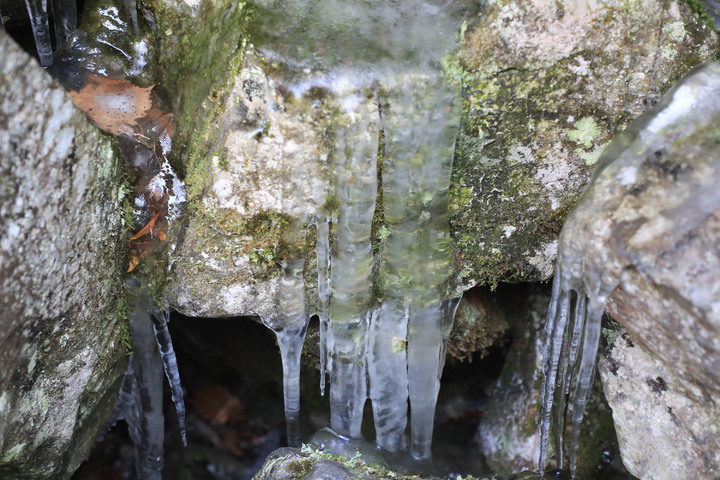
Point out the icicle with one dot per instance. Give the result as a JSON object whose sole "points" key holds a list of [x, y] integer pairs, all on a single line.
{"points": [[145, 418], [323, 272], [131, 6], [387, 371], [290, 327], [419, 262], [352, 262], [37, 9], [65, 16], [429, 329], [169, 360]]}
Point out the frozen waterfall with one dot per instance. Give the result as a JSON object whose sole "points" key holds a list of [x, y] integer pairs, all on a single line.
{"points": [[385, 260]]}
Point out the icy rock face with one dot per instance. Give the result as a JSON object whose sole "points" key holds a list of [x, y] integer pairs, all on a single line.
{"points": [[548, 84], [305, 124], [644, 237], [63, 326]]}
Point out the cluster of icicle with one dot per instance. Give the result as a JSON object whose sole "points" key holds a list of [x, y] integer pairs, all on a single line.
{"points": [[143, 130], [610, 230], [395, 345], [385, 315], [64, 13]]}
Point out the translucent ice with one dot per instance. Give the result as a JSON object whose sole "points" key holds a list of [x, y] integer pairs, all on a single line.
{"points": [[386, 305], [37, 9]]}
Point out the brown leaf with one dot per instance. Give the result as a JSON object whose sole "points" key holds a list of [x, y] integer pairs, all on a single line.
{"points": [[113, 105], [216, 403]]}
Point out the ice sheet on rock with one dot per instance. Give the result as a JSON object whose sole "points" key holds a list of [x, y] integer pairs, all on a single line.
{"points": [[639, 203]]}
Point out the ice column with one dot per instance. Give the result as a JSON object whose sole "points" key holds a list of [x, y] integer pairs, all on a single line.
{"points": [[355, 164], [418, 257]]}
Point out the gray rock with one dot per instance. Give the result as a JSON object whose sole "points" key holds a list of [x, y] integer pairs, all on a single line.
{"points": [[548, 84], [62, 323], [665, 428], [643, 241]]}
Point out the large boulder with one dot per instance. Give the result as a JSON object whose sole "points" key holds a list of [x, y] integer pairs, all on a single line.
{"points": [[547, 85], [63, 331], [665, 428]]}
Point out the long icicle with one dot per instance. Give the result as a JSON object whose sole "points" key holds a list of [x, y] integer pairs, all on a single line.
{"points": [[555, 330], [37, 9], [170, 365]]}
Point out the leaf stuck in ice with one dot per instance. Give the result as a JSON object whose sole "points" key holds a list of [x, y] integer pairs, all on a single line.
{"points": [[113, 105]]}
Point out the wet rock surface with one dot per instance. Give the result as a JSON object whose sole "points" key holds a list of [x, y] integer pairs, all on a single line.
{"points": [[547, 86], [62, 321], [308, 464]]}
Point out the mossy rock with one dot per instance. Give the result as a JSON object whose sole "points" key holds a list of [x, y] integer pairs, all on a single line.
{"points": [[547, 85]]}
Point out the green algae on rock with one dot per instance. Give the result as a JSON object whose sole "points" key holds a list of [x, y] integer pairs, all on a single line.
{"points": [[546, 88]]}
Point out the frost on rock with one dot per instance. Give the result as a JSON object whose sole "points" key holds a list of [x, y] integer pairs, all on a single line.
{"points": [[652, 185], [385, 300]]}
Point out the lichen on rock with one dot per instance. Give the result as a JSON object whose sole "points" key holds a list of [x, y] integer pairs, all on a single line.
{"points": [[546, 88], [63, 329]]}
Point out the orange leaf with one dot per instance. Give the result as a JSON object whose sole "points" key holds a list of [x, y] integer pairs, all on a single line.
{"points": [[149, 228], [113, 105]]}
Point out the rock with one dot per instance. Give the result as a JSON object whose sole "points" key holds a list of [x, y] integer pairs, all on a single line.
{"points": [[665, 428], [548, 84], [311, 464], [479, 324], [63, 328], [643, 242]]}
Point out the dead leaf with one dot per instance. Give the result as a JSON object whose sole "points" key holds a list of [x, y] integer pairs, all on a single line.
{"points": [[216, 403], [150, 228], [113, 105]]}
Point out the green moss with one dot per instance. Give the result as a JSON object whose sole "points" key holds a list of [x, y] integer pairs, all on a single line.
{"points": [[700, 9]]}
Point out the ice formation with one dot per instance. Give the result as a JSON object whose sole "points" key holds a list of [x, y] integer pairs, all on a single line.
{"points": [[638, 204], [140, 402], [65, 16], [386, 305]]}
